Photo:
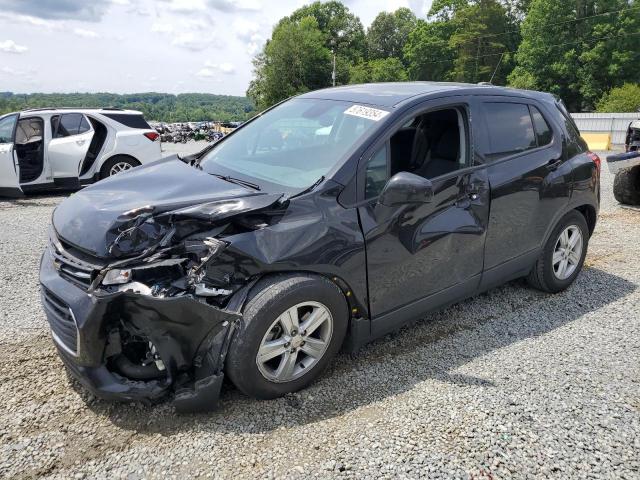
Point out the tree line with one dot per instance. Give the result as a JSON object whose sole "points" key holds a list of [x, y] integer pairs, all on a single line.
{"points": [[585, 51], [186, 107]]}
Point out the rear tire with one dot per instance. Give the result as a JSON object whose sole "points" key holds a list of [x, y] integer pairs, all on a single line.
{"points": [[120, 163], [626, 186], [548, 273], [262, 328]]}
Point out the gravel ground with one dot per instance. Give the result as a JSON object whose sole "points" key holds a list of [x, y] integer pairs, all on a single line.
{"points": [[511, 384]]}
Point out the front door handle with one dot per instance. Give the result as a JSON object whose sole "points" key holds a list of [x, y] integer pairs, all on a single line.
{"points": [[473, 190], [80, 142]]}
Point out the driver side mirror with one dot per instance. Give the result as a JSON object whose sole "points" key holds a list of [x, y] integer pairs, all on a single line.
{"points": [[406, 188]]}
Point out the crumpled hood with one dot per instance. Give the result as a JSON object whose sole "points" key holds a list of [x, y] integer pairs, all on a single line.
{"points": [[89, 218]]}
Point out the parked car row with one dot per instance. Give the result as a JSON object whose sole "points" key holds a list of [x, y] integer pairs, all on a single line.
{"points": [[183, 132]]}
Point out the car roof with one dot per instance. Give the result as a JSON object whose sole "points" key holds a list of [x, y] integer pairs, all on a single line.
{"points": [[105, 110], [391, 95]]}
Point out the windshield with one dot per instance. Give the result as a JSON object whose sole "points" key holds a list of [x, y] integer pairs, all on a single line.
{"points": [[7, 125], [294, 144]]}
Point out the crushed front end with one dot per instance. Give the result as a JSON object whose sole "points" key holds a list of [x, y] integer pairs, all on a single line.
{"points": [[145, 322]]}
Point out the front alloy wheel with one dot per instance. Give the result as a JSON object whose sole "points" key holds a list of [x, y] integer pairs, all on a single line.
{"points": [[295, 342], [292, 326]]}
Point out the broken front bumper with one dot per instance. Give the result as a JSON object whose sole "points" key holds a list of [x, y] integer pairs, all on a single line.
{"points": [[191, 338]]}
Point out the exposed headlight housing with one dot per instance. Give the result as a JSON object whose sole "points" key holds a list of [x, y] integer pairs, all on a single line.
{"points": [[117, 277]]}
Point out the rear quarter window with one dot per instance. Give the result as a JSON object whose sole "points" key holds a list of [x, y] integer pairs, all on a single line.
{"points": [[510, 129], [544, 134], [129, 120]]}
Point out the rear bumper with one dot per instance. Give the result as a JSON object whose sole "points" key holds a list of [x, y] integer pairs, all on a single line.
{"points": [[191, 338]]}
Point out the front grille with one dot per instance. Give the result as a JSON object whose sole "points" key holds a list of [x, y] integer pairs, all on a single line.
{"points": [[61, 320], [72, 268]]}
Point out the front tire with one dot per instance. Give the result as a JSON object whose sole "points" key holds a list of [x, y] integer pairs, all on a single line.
{"points": [[563, 255], [293, 327]]}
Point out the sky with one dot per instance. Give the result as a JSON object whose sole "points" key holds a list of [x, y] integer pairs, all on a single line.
{"points": [[127, 46]]}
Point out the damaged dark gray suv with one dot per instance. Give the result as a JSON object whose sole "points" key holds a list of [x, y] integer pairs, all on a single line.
{"points": [[329, 220]]}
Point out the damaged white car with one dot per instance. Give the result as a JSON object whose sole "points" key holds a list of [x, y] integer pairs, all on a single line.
{"points": [[42, 149]]}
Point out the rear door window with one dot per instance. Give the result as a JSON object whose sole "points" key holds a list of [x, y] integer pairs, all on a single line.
{"points": [[67, 125], [510, 129]]}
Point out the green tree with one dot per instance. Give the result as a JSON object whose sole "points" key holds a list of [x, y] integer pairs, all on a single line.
{"points": [[467, 41], [610, 50], [294, 61], [446, 9], [568, 51], [343, 31], [379, 70], [480, 42], [389, 32], [428, 53], [621, 99]]}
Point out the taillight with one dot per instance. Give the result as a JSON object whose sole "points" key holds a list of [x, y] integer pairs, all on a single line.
{"points": [[153, 136], [595, 159]]}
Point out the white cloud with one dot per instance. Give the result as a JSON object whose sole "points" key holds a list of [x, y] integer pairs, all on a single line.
{"points": [[245, 29], [28, 20], [84, 33], [12, 71], [9, 46], [76, 9], [205, 73], [162, 27], [225, 67], [185, 6], [235, 5], [249, 32], [193, 42]]}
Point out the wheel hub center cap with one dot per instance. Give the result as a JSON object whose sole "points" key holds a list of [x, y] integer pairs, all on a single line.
{"points": [[296, 341]]}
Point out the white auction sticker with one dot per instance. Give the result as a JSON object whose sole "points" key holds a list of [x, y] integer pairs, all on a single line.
{"points": [[366, 112]]}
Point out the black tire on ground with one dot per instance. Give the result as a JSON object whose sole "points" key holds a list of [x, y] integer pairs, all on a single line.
{"points": [[106, 167], [542, 276], [272, 298], [626, 186]]}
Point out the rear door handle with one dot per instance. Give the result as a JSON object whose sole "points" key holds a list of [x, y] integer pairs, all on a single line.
{"points": [[80, 142], [554, 164]]}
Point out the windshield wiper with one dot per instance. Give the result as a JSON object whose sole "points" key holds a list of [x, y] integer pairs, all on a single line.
{"points": [[237, 181]]}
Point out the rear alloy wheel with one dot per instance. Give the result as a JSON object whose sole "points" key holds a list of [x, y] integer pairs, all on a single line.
{"points": [[120, 167], [563, 255], [292, 327], [116, 165], [567, 253]]}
